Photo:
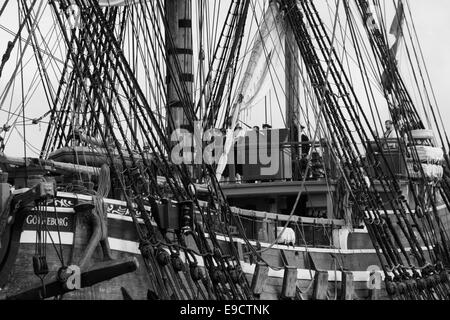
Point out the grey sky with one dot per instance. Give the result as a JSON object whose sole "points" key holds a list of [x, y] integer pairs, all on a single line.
{"points": [[432, 20]]}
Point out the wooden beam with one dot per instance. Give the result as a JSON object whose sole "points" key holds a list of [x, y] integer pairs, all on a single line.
{"points": [[259, 278], [289, 289], [55, 166], [98, 273], [240, 249], [348, 287], [284, 218], [374, 285], [5, 191], [320, 285], [3, 177], [374, 294]]}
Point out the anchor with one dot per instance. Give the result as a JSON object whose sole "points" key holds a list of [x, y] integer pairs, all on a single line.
{"points": [[99, 235], [76, 277], [100, 272]]}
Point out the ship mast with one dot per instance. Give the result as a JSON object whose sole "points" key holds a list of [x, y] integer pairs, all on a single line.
{"points": [[179, 51], [292, 90]]}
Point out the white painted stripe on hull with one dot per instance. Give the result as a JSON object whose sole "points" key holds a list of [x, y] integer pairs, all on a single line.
{"points": [[308, 249], [305, 274], [29, 237], [110, 215], [89, 198], [124, 246]]}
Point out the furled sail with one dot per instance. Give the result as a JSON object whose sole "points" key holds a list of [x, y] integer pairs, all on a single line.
{"points": [[397, 31], [262, 55], [116, 3]]}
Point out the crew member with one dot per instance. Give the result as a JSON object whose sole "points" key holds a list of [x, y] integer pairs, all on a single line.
{"points": [[306, 146], [390, 134], [239, 135]]}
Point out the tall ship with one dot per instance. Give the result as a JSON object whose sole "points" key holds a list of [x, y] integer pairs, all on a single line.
{"points": [[220, 150]]}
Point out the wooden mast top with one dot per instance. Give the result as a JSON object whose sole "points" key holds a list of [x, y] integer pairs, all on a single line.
{"points": [[179, 48], [292, 86]]}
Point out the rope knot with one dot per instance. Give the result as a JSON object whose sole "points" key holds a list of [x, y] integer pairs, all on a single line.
{"points": [[63, 274]]}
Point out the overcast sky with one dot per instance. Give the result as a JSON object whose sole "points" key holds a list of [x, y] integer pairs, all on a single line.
{"points": [[432, 21], [432, 18]]}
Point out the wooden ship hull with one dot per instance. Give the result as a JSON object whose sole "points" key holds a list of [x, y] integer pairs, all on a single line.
{"points": [[341, 265]]}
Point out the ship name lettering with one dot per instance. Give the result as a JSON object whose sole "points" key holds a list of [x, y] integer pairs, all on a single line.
{"points": [[49, 221]]}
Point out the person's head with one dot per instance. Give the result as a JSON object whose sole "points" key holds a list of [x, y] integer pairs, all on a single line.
{"points": [[256, 128], [389, 125], [267, 127]]}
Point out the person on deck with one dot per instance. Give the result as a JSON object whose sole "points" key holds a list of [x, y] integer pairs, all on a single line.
{"points": [[239, 134], [390, 134], [306, 148]]}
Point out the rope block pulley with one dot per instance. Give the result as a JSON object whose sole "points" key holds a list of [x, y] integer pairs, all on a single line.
{"points": [[40, 266], [195, 271], [177, 263], [146, 249], [187, 215], [163, 257]]}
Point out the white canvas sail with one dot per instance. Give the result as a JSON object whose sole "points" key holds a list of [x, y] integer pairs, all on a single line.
{"points": [[261, 57]]}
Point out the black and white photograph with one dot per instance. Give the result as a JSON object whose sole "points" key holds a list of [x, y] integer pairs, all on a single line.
{"points": [[225, 158]]}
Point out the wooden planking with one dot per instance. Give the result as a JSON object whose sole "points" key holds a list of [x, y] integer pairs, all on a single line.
{"points": [[259, 278], [289, 282], [374, 294], [5, 190], [136, 283], [285, 218], [3, 177], [273, 288], [348, 287], [4, 196], [321, 285], [240, 250]]}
